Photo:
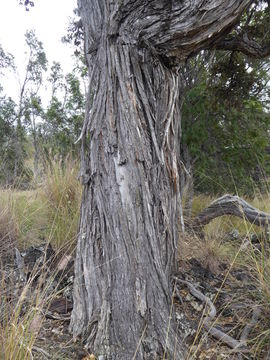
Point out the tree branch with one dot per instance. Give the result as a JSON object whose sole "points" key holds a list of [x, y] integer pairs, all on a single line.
{"points": [[178, 28], [245, 45], [231, 205], [236, 345]]}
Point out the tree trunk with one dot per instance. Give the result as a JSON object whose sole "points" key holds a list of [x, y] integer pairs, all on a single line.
{"points": [[131, 206]]}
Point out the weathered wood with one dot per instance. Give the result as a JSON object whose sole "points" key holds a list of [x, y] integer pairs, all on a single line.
{"points": [[231, 205], [131, 205], [208, 322]]}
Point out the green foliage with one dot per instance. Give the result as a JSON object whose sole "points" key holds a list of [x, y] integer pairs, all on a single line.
{"points": [[37, 62], [6, 59], [226, 125]]}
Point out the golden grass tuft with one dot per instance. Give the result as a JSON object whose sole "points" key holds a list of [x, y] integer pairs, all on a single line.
{"points": [[8, 230], [47, 214], [62, 191]]}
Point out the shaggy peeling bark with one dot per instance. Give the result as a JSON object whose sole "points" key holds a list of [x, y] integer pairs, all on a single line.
{"points": [[131, 205]]}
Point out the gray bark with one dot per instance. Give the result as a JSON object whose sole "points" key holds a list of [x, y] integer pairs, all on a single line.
{"points": [[232, 205], [131, 205]]}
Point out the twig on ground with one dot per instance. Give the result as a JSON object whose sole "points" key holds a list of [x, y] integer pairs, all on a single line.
{"points": [[50, 315], [43, 352], [236, 345], [247, 329]]}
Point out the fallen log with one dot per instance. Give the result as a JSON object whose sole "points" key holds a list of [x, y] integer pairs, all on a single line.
{"points": [[231, 205]]}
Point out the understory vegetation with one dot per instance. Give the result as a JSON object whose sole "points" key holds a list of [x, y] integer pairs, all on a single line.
{"points": [[231, 250], [50, 212]]}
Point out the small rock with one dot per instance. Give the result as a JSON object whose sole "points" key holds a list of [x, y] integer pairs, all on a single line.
{"points": [[234, 234]]}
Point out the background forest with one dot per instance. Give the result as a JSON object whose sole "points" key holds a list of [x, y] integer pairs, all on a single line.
{"points": [[225, 118]]}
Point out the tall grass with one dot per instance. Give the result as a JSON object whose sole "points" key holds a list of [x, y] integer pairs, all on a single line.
{"points": [[18, 332], [8, 229], [47, 214], [22, 312], [62, 192]]}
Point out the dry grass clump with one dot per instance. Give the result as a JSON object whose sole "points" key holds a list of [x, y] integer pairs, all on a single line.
{"points": [[27, 213], [22, 311], [8, 231], [62, 191], [19, 330], [61, 184], [49, 213]]}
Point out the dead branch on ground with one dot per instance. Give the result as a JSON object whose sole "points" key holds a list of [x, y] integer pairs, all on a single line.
{"points": [[231, 205]]}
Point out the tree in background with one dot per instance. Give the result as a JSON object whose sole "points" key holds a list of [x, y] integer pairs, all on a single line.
{"points": [[53, 128], [7, 124], [34, 112], [226, 122], [64, 116], [29, 89], [7, 131]]}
